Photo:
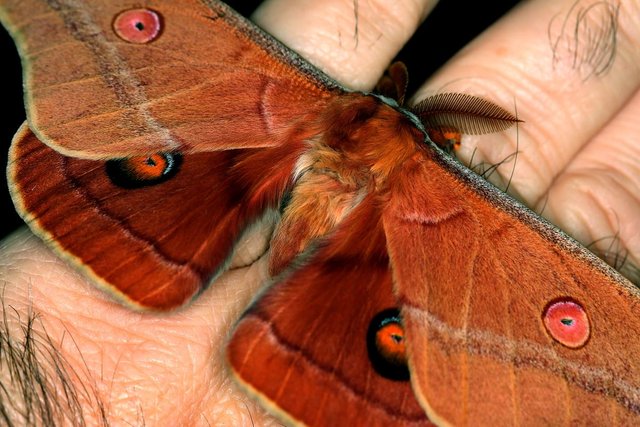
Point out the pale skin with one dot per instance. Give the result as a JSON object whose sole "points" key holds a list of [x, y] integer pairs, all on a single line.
{"points": [[578, 159]]}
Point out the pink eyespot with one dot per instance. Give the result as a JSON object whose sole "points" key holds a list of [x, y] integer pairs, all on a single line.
{"points": [[137, 25], [567, 322]]}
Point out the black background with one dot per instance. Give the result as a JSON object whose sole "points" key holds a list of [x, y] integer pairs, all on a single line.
{"points": [[447, 29]]}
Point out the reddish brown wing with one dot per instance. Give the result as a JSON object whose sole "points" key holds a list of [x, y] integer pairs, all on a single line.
{"points": [[158, 245], [476, 275], [209, 80], [302, 347]]}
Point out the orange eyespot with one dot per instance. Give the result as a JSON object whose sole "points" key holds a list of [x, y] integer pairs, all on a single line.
{"points": [[142, 171], [390, 343], [148, 167], [567, 322], [386, 345], [138, 25]]}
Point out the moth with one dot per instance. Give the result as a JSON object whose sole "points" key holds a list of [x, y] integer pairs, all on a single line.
{"points": [[406, 290]]}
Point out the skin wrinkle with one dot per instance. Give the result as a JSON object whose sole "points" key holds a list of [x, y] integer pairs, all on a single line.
{"points": [[541, 87], [333, 21], [489, 149], [607, 246], [610, 215], [48, 262], [538, 167], [147, 416], [594, 169], [524, 166]]}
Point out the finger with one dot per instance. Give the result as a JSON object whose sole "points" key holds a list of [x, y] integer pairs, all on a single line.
{"points": [[563, 105], [605, 177], [125, 361], [541, 54], [351, 41]]}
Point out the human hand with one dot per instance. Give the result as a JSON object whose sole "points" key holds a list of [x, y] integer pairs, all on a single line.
{"points": [[572, 69], [170, 367]]}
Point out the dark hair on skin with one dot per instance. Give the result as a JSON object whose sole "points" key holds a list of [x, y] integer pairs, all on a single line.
{"points": [[38, 387]]}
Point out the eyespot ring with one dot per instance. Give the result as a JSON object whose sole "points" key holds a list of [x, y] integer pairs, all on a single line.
{"points": [[138, 26], [386, 345], [567, 322]]}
